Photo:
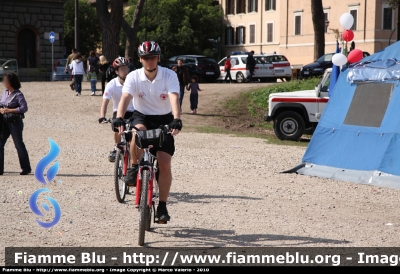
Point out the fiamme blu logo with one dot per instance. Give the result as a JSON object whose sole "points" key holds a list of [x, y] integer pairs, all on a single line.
{"points": [[40, 177]]}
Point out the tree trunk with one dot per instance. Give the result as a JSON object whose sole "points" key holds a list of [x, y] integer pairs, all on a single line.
{"points": [[132, 30], [318, 19], [110, 24]]}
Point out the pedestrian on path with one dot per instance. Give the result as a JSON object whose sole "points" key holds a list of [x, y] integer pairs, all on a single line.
{"points": [[103, 69], [70, 58], [93, 61], [92, 77], [250, 66], [194, 94], [227, 68], [12, 108], [183, 78], [78, 71]]}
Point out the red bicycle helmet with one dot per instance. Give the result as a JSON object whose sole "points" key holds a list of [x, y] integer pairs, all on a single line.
{"points": [[119, 62], [149, 48]]}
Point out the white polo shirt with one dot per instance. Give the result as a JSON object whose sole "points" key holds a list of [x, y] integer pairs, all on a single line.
{"points": [[152, 97], [114, 90]]}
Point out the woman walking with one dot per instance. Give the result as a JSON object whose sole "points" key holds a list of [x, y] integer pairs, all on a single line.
{"points": [[103, 68], [78, 71], [12, 108]]}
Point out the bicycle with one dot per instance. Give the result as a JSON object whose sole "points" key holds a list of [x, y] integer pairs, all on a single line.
{"points": [[121, 165], [147, 191]]}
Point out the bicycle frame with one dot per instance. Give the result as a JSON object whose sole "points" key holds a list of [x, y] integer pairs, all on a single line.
{"points": [[147, 162], [124, 146]]}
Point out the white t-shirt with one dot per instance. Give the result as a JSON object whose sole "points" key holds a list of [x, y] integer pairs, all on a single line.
{"points": [[114, 90], [77, 67], [152, 97]]}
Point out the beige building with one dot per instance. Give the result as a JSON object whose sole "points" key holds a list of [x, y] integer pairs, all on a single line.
{"points": [[285, 26]]}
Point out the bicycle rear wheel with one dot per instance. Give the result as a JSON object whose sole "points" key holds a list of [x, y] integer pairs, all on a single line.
{"points": [[120, 187], [143, 206]]}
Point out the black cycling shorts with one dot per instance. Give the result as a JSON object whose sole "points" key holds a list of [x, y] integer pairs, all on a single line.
{"points": [[154, 122], [128, 115]]}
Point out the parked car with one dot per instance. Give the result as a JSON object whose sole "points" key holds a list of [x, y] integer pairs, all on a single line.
{"points": [[298, 112], [59, 73], [318, 67], [269, 67], [7, 66], [205, 68]]}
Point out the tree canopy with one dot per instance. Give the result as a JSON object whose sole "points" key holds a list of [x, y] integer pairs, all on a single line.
{"points": [[179, 26], [89, 30]]}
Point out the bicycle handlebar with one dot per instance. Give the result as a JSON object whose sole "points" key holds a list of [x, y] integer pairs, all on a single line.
{"points": [[166, 127], [110, 120]]}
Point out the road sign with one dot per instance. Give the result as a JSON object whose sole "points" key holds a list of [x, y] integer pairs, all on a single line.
{"points": [[52, 37]]}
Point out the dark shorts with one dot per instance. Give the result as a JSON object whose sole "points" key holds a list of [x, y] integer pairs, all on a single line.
{"points": [[154, 122], [128, 115]]}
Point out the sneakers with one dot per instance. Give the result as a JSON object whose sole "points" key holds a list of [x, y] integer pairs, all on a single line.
{"points": [[131, 175], [77, 94], [92, 94], [111, 157], [162, 212], [25, 172]]}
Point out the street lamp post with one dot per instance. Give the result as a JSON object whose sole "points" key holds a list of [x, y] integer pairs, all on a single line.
{"points": [[219, 48], [76, 26]]}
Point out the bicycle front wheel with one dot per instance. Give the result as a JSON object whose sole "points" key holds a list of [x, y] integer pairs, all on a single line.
{"points": [[120, 187], [144, 206]]}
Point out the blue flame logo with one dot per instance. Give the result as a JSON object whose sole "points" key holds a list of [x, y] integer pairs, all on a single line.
{"points": [[35, 209], [51, 174], [45, 161]]}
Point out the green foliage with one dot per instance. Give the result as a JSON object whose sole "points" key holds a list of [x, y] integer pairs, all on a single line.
{"points": [[89, 30], [393, 3], [179, 26]]}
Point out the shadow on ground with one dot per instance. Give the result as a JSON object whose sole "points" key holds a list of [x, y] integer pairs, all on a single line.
{"points": [[190, 198], [210, 237]]}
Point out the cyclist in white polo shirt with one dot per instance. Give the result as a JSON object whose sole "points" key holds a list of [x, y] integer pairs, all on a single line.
{"points": [[113, 91], [155, 93]]}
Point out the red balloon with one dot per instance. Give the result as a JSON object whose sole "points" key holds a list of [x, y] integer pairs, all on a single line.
{"points": [[348, 35], [355, 56]]}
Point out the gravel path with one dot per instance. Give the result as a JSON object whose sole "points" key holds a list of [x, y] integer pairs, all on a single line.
{"points": [[227, 191]]}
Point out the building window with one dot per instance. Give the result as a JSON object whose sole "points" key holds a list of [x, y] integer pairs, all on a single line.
{"points": [[270, 32], [240, 35], [240, 6], [326, 19], [297, 25], [252, 34], [270, 5], [253, 5], [230, 7], [354, 13], [387, 18], [229, 34]]}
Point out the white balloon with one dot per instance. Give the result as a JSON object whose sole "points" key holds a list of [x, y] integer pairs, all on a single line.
{"points": [[346, 21], [339, 59]]}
